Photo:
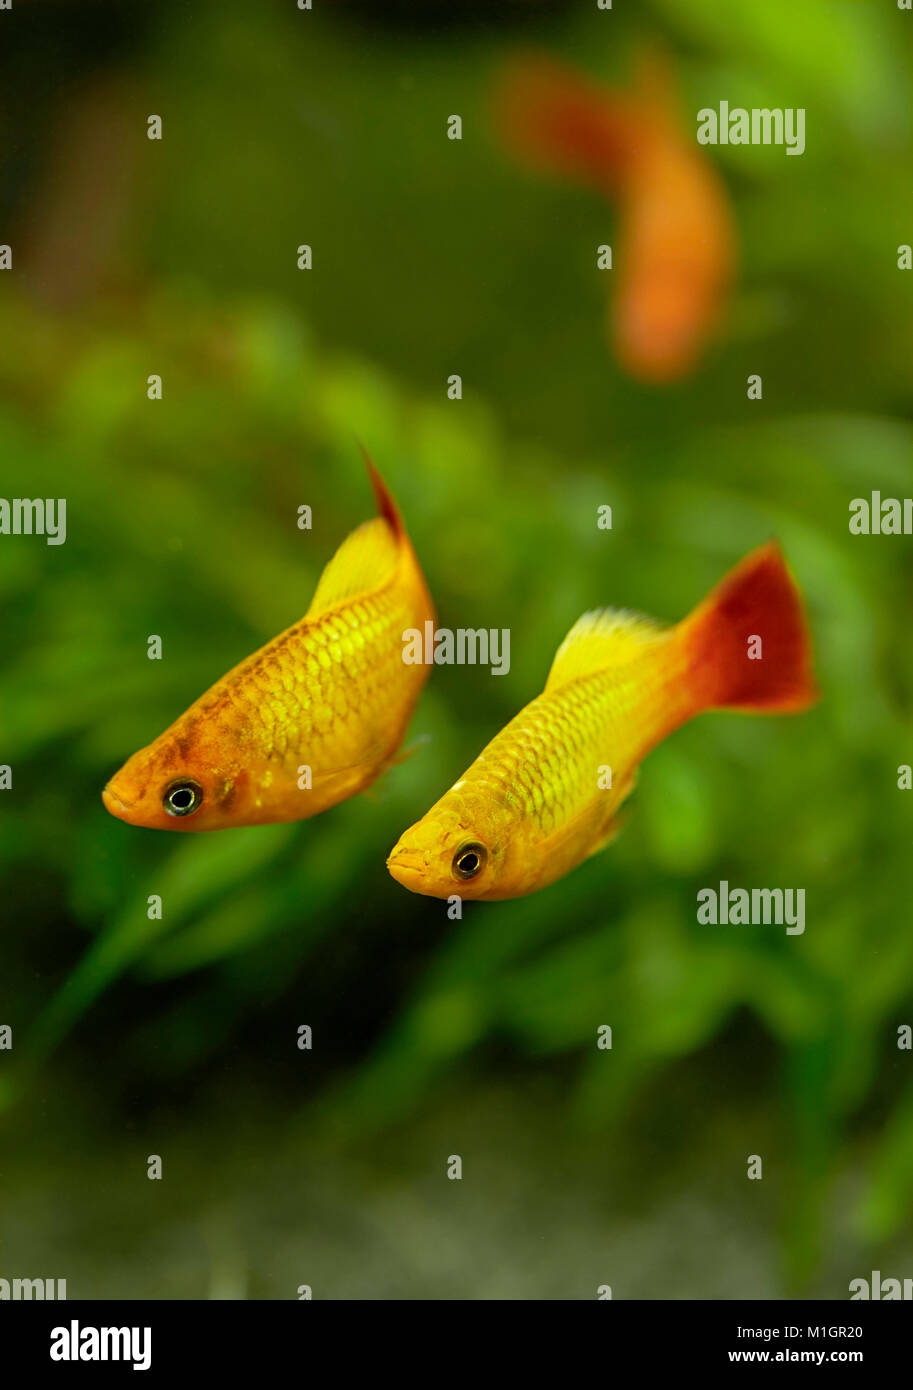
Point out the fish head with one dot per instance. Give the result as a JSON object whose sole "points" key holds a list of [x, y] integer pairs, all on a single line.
{"points": [[462, 847], [178, 784]]}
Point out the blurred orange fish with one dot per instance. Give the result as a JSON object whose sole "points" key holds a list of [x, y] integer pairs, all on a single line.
{"points": [[311, 718], [676, 254], [545, 793]]}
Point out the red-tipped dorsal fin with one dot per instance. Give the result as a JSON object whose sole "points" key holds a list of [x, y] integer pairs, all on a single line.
{"points": [[368, 557], [384, 497]]}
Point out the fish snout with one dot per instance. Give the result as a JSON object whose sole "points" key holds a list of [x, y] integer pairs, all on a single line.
{"points": [[114, 803], [409, 866]]}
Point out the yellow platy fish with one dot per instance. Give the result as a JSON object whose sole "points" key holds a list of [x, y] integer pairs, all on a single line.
{"points": [[311, 718], [544, 794]]}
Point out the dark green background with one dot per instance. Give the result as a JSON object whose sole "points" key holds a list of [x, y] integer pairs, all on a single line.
{"points": [[433, 1037]]}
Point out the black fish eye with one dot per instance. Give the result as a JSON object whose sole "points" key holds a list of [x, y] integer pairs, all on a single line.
{"points": [[469, 860], [183, 797]]}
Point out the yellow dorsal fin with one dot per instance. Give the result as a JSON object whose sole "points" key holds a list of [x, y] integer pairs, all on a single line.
{"points": [[603, 637], [367, 558], [364, 561]]}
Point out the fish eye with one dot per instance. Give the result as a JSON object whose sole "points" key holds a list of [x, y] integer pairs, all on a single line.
{"points": [[469, 860], [183, 797]]}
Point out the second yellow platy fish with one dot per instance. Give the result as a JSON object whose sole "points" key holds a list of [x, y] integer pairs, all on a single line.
{"points": [[311, 718], [545, 793]]}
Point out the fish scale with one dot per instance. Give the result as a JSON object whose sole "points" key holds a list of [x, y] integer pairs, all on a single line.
{"points": [[318, 701], [547, 758]]}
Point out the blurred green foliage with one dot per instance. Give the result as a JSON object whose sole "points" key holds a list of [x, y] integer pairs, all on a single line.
{"points": [[432, 257]]}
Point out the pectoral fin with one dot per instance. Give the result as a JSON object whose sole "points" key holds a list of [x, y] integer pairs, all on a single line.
{"points": [[614, 824], [609, 833]]}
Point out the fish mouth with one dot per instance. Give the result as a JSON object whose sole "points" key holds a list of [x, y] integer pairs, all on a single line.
{"points": [[410, 867], [114, 804]]}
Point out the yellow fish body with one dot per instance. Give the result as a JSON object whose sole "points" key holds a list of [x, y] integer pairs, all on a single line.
{"points": [[308, 720], [545, 793]]}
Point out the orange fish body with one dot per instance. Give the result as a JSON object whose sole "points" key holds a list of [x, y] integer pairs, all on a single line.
{"points": [[538, 800], [676, 253], [308, 720]]}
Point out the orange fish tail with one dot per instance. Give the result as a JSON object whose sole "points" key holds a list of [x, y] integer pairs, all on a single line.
{"points": [[748, 642], [558, 121]]}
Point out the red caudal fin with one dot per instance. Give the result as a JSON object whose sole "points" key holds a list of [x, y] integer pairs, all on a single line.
{"points": [[749, 642]]}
